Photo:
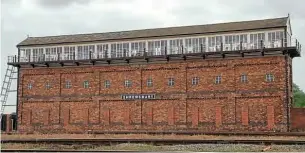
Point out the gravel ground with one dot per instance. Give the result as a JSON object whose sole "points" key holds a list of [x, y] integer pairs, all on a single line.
{"points": [[145, 136], [146, 147]]}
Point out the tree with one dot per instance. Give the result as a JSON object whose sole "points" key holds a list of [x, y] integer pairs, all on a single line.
{"points": [[298, 96]]}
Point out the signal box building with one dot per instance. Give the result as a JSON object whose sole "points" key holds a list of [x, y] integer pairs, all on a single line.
{"points": [[222, 77]]}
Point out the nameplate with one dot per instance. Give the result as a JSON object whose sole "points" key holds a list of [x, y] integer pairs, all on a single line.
{"points": [[138, 96]]}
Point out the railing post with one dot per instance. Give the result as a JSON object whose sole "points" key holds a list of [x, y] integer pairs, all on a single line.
{"points": [[124, 53], [90, 55], [165, 51], [201, 48], [29, 58], [73, 55], [241, 45], [182, 49], [15, 60], [145, 53], [44, 57], [261, 44], [282, 42], [58, 56], [221, 46]]}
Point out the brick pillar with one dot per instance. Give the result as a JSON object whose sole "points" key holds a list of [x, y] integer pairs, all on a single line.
{"points": [[171, 120], [245, 115], [150, 116], [195, 117], [107, 116], [218, 120], [8, 123], [127, 117], [66, 116], [270, 117]]}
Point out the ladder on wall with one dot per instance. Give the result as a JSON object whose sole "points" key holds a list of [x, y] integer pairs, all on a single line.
{"points": [[10, 75]]}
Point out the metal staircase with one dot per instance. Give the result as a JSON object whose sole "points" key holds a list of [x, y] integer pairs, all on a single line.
{"points": [[10, 75]]}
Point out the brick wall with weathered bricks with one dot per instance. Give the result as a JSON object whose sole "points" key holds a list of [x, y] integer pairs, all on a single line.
{"points": [[256, 105]]}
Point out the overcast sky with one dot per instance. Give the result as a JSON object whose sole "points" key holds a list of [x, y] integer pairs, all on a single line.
{"points": [[20, 18]]}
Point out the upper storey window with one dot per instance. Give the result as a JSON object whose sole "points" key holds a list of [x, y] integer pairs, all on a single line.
{"points": [[256, 40], [38, 54], [175, 46], [275, 39], [214, 43], [232, 42], [195, 45], [52, 53], [83, 52], [69, 53], [102, 50], [156, 47], [137, 48], [119, 49]]}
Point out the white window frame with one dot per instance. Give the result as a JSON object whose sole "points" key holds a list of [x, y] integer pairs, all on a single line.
{"points": [[107, 84], [244, 78], [48, 85], [86, 84], [195, 81], [171, 82], [68, 84], [30, 86], [149, 82], [218, 79], [269, 77], [128, 83]]}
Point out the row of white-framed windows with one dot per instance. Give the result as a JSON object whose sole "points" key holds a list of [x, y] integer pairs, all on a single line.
{"points": [[149, 83], [102, 50], [194, 45], [137, 48], [175, 46], [156, 47]]}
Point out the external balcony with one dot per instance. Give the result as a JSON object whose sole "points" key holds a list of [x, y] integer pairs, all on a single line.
{"points": [[218, 50]]}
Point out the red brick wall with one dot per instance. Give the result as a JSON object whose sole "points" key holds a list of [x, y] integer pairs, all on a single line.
{"points": [[230, 106], [298, 119]]}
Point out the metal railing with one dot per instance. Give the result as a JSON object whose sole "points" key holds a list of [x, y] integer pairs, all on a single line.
{"points": [[108, 54]]}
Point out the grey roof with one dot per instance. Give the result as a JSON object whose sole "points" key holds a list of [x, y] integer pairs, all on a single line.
{"points": [[158, 32]]}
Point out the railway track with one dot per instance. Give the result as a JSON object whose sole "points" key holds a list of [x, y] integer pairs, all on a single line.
{"points": [[152, 141]]}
